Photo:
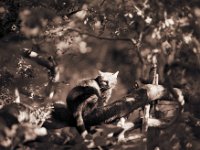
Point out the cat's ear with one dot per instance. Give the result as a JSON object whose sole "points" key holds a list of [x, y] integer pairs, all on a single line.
{"points": [[100, 72], [116, 73]]}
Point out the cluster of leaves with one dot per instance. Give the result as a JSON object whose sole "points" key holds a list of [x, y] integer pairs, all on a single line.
{"points": [[169, 27], [21, 123]]}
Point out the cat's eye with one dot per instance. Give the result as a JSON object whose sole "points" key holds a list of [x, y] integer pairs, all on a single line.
{"points": [[105, 82]]}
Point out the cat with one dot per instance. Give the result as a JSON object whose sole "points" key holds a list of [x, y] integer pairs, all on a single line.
{"points": [[88, 95]]}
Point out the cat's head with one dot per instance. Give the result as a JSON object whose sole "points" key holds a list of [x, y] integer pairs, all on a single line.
{"points": [[107, 80]]}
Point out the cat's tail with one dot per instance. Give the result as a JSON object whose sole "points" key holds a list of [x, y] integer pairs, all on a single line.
{"points": [[78, 115]]}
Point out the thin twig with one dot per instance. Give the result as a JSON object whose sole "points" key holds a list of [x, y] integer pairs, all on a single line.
{"points": [[136, 44], [101, 4], [99, 37]]}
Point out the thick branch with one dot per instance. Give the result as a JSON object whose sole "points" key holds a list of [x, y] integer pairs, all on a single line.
{"points": [[116, 110], [47, 62]]}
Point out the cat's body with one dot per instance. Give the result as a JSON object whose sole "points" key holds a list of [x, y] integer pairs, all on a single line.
{"points": [[90, 94]]}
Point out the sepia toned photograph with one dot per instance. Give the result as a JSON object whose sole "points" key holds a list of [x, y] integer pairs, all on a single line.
{"points": [[99, 74]]}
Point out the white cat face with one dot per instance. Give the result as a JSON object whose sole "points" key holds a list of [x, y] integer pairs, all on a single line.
{"points": [[108, 79]]}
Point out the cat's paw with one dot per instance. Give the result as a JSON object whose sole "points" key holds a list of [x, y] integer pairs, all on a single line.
{"points": [[84, 134]]}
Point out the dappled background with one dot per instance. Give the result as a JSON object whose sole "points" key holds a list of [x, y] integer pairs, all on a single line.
{"points": [[86, 36]]}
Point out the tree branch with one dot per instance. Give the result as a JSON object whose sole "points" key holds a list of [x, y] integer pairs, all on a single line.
{"points": [[132, 41], [120, 108], [99, 37], [48, 63]]}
